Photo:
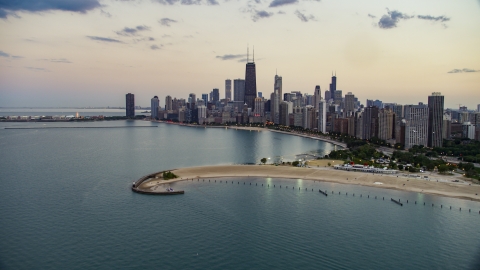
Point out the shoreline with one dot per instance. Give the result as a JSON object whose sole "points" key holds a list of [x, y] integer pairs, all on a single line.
{"points": [[464, 191], [259, 129]]}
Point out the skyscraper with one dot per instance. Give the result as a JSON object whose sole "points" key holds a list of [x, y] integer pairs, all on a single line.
{"points": [[130, 105], [349, 104], [205, 98], [228, 89], [239, 90], [386, 118], [250, 83], [322, 116], [435, 119], [416, 125], [333, 86], [317, 96], [215, 95], [370, 123], [154, 103], [168, 103], [277, 90]]}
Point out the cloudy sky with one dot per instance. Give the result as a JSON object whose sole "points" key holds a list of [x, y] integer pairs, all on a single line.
{"points": [[93, 52]]}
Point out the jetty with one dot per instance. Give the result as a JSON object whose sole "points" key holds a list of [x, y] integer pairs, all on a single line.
{"points": [[136, 187]]}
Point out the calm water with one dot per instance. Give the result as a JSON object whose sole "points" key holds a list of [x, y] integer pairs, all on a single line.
{"points": [[65, 111], [66, 204]]}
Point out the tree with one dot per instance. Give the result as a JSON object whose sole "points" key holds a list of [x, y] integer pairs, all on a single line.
{"points": [[263, 160]]}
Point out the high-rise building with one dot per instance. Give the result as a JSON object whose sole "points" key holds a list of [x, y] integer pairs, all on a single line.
{"points": [[468, 130], [447, 126], [370, 123], [277, 90], [416, 125], [168, 103], [369, 103], [228, 89], [283, 114], [435, 120], [386, 120], [154, 103], [349, 104], [192, 98], [317, 96], [239, 90], [337, 98], [328, 95], [259, 107], [130, 105], [250, 84], [378, 103], [478, 108], [333, 86], [260, 94], [215, 95], [205, 98], [322, 116]]}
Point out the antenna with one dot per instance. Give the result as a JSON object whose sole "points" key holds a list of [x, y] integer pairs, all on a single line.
{"points": [[247, 52], [253, 54]]}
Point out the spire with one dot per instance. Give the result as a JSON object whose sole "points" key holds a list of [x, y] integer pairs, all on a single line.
{"points": [[247, 52]]}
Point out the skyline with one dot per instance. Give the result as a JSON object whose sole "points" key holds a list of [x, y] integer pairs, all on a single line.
{"points": [[91, 53]]}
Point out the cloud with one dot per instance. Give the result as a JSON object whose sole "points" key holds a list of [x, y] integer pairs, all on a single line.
{"points": [[166, 21], [7, 55], [151, 39], [466, 70], [230, 56], [187, 2], [372, 16], [303, 17], [106, 14], [155, 47], [277, 3], [261, 14], [37, 69], [57, 60], [4, 54], [132, 31], [431, 18], [104, 39], [80, 6], [391, 19]]}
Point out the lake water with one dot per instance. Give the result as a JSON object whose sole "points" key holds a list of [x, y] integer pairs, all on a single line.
{"points": [[66, 203]]}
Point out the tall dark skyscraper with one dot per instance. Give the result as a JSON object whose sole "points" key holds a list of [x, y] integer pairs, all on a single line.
{"points": [[435, 120], [333, 86], [215, 95], [130, 105], [250, 83]]}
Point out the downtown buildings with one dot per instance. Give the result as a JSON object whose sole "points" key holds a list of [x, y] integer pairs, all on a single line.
{"points": [[391, 123]]}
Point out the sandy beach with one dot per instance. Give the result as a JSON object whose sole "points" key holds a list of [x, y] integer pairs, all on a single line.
{"points": [[444, 186]]}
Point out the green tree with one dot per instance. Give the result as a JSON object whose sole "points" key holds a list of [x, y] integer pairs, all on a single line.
{"points": [[263, 160]]}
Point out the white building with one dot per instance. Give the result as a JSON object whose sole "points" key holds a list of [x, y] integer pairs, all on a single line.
{"points": [[468, 130], [416, 125], [322, 116]]}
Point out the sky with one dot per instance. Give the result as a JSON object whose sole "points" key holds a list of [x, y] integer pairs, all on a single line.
{"points": [[73, 53]]}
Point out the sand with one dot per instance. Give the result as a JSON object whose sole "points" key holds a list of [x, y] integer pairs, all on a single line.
{"points": [[445, 186]]}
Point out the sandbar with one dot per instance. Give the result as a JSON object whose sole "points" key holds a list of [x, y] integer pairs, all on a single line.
{"points": [[444, 187]]}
